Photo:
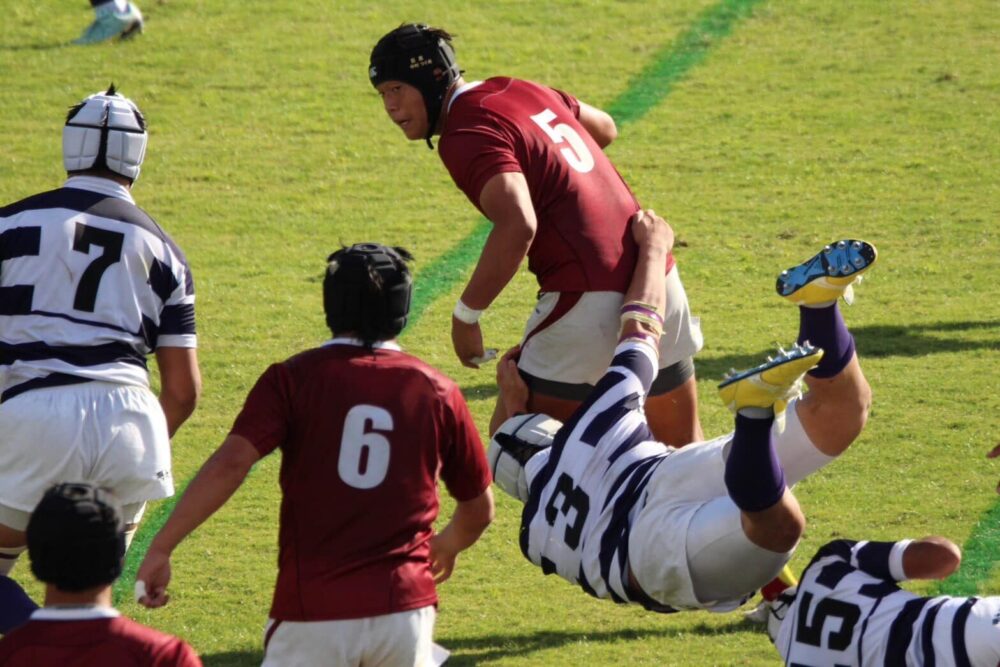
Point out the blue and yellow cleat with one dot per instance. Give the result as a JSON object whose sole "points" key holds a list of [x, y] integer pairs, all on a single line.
{"points": [[109, 24], [772, 384], [828, 275]]}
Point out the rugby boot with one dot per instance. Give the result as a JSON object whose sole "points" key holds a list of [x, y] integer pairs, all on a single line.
{"points": [[828, 275], [771, 384]]}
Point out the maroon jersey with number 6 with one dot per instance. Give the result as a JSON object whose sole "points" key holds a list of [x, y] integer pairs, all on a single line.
{"points": [[364, 435], [93, 637], [583, 242]]}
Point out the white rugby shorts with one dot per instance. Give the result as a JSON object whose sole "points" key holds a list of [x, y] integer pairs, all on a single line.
{"points": [[577, 347], [689, 529], [108, 434], [403, 639]]}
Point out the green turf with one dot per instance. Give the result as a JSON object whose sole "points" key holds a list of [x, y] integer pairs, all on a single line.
{"points": [[800, 123]]}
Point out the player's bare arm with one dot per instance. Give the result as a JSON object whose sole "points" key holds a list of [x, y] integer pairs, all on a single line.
{"points": [[470, 519], [932, 557], [180, 384], [655, 239], [513, 389], [507, 203], [599, 124], [215, 483]]}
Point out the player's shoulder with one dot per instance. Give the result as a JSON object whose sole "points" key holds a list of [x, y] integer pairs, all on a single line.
{"points": [[43, 200], [152, 642], [387, 359]]}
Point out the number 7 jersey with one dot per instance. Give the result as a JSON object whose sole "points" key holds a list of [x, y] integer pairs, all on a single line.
{"points": [[89, 285]]}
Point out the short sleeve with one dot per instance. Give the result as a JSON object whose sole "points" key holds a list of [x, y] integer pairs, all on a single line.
{"points": [[265, 417], [571, 102], [464, 468], [476, 153]]}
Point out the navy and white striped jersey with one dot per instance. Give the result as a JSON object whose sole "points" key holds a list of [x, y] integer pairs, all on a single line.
{"points": [[89, 285], [849, 611], [579, 513]]}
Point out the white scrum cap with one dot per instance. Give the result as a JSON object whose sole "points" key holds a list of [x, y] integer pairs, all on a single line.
{"points": [[515, 442], [105, 130]]}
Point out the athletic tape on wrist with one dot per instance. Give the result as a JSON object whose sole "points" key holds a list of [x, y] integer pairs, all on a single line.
{"points": [[465, 314], [641, 307]]}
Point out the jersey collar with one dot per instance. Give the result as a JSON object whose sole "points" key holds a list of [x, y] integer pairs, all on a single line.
{"points": [[357, 342], [102, 186], [82, 613], [465, 87]]}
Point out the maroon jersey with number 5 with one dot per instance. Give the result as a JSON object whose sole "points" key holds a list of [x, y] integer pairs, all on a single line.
{"points": [[583, 242], [364, 435]]}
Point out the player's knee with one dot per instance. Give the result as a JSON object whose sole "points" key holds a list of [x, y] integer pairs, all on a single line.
{"points": [[778, 528]]}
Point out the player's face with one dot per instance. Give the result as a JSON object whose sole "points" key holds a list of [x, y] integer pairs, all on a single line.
{"points": [[405, 106]]}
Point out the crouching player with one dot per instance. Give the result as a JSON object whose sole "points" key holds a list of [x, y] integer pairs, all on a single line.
{"points": [[628, 518], [848, 610]]}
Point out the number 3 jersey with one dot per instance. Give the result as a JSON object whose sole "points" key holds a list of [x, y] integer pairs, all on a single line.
{"points": [[585, 496], [582, 241], [848, 610], [364, 437], [89, 285]]}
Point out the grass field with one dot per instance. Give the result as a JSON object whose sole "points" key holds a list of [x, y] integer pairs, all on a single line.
{"points": [[760, 129]]}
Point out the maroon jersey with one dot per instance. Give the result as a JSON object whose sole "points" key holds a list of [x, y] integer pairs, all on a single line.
{"points": [[363, 436], [583, 242], [92, 637]]}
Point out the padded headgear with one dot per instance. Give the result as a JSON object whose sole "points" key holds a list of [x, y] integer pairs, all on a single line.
{"points": [[106, 130], [422, 57], [76, 537], [512, 446], [367, 290]]}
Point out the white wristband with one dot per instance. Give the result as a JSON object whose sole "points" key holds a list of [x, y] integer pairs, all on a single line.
{"points": [[465, 314], [896, 560]]}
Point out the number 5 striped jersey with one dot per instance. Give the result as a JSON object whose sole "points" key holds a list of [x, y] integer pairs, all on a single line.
{"points": [[582, 502], [848, 610], [89, 285]]}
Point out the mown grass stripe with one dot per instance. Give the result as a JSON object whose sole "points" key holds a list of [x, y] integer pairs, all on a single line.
{"points": [[979, 555], [645, 91]]}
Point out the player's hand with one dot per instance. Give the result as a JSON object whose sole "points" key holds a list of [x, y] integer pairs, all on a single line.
{"points": [[513, 388], [649, 229], [443, 555], [467, 339], [155, 573], [992, 454]]}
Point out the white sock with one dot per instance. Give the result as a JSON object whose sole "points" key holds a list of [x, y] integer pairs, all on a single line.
{"points": [[8, 556], [120, 5]]}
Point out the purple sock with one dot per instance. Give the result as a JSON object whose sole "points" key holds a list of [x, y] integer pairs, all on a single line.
{"points": [[825, 328], [754, 476], [15, 605]]}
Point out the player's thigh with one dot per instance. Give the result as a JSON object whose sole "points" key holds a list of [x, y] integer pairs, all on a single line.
{"points": [[564, 353], [673, 415], [402, 639], [43, 437], [132, 456], [682, 337], [725, 565], [798, 455]]}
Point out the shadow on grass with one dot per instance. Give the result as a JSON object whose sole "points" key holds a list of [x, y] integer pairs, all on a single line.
{"points": [[490, 648], [877, 341], [233, 659], [42, 46], [873, 341]]}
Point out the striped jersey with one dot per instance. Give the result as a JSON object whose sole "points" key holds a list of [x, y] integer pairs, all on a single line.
{"points": [[89, 286], [848, 610], [583, 501]]}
